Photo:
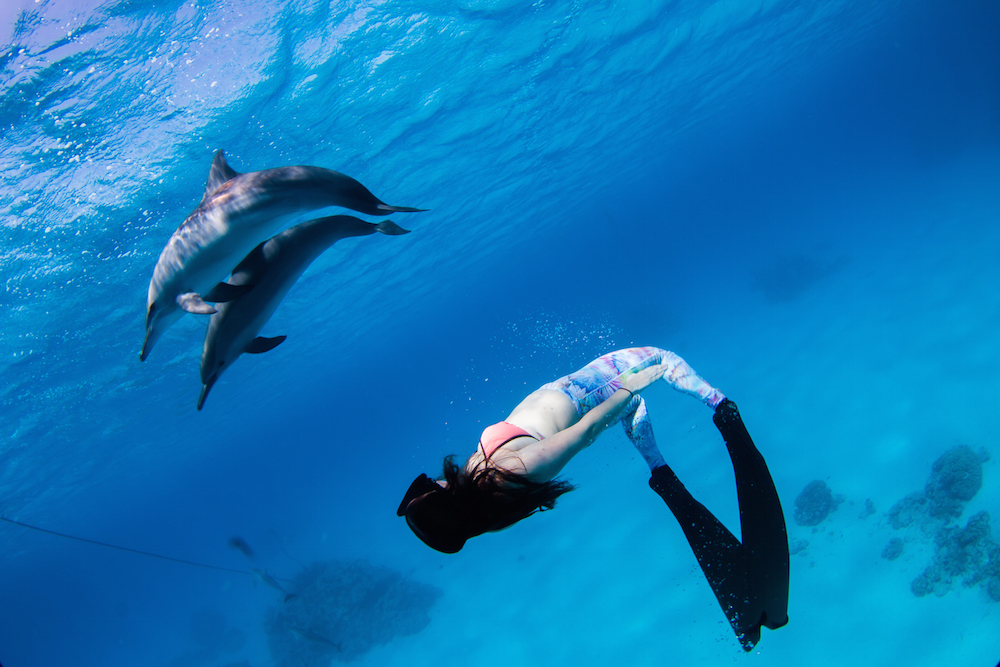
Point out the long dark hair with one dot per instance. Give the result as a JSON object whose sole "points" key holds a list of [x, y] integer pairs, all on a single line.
{"points": [[493, 498]]}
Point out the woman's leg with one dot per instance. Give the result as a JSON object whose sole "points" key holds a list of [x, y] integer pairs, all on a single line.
{"points": [[750, 579], [639, 430], [594, 383]]}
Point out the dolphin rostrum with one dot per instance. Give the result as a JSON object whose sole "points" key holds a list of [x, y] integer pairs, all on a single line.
{"points": [[237, 212], [272, 582], [271, 269]]}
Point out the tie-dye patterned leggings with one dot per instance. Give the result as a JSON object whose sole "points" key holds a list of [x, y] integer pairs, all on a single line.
{"points": [[597, 381]]}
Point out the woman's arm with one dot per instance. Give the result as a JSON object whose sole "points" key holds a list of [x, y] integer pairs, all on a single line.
{"points": [[542, 461]]}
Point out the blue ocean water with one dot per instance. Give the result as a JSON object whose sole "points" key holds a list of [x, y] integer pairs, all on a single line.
{"points": [[801, 199]]}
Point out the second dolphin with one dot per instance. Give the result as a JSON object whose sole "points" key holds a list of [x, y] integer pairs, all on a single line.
{"points": [[271, 268], [237, 212]]}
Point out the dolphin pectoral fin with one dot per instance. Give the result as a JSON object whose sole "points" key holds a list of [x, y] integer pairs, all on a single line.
{"points": [[218, 174], [193, 303], [401, 209], [391, 228], [226, 292], [253, 263], [260, 345]]}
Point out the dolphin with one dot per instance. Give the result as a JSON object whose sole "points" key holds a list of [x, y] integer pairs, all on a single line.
{"points": [[272, 582], [271, 269], [237, 212]]}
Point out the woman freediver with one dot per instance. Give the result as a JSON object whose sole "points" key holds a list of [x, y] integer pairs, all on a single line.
{"points": [[512, 475]]}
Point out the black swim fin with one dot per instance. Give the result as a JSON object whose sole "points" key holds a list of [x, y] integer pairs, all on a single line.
{"points": [[750, 580]]}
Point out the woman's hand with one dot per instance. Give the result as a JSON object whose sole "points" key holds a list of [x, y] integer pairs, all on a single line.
{"points": [[679, 375], [637, 380]]}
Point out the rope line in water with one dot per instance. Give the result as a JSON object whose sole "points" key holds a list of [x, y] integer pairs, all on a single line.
{"points": [[134, 551]]}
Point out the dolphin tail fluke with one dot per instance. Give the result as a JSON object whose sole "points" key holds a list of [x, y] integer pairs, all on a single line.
{"points": [[224, 292], [391, 228], [400, 209], [260, 345]]}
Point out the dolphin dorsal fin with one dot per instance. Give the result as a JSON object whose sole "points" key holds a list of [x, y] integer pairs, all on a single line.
{"points": [[218, 174]]}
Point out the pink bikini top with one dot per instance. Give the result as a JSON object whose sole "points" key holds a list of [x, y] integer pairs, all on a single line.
{"points": [[496, 436]]}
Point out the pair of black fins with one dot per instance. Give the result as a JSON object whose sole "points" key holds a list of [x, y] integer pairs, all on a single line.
{"points": [[750, 580]]}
